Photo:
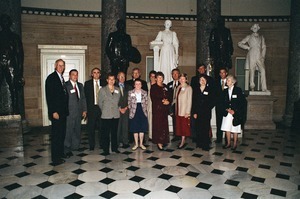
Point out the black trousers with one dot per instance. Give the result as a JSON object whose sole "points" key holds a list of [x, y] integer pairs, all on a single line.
{"points": [[93, 124], [58, 134], [110, 134]]}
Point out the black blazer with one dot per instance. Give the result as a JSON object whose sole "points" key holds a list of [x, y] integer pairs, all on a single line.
{"points": [[124, 98], [56, 96], [203, 102], [237, 103], [89, 94], [171, 89]]}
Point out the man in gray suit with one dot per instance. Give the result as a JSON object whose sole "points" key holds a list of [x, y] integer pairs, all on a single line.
{"points": [[77, 109]]}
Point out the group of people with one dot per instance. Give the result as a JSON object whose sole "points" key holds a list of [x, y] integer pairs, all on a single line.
{"points": [[123, 111]]}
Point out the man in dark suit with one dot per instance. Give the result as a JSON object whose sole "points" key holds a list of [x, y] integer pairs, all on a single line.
{"points": [[77, 112], [124, 112], [172, 86], [136, 74], [91, 90], [57, 101], [220, 86]]}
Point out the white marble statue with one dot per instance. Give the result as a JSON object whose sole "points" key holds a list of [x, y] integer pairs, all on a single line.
{"points": [[168, 57], [255, 44]]}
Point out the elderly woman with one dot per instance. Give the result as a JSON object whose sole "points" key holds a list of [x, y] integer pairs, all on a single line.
{"points": [[137, 104], [183, 105], [234, 103], [203, 102], [160, 109]]}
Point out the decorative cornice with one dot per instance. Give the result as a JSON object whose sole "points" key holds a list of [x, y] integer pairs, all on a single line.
{"points": [[98, 14]]}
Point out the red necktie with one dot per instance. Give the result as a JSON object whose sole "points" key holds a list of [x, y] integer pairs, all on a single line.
{"points": [[75, 88]]}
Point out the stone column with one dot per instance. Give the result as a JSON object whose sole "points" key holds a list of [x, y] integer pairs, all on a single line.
{"points": [[293, 79], [13, 9], [208, 12], [112, 11]]}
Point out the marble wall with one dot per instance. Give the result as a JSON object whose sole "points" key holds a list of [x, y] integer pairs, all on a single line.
{"points": [[41, 29]]}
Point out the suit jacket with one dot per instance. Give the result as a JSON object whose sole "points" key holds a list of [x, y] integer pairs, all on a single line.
{"points": [[109, 103], [89, 94], [131, 83], [132, 104], [237, 103], [124, 98], [184, 100], [56, 96], [171, 89], [76, 106], [219, 96]]}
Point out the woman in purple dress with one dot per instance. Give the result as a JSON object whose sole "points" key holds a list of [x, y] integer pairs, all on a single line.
{"points": [[160, 107]]}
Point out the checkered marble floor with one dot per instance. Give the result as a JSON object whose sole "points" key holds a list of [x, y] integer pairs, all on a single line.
{"points": [[266, 164]]}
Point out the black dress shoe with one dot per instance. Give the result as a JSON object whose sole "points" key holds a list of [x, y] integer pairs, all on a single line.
{"points": [[181, 147], [206, 148], [92, 148], [69, 154], [234, 148], [218, 141], [125, 146], [116, 151], [226, 147], [65, 156], [58, 162], [104, 153]]}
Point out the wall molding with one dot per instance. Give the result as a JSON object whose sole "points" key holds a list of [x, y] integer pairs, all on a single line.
{"points": [[149, 16]]}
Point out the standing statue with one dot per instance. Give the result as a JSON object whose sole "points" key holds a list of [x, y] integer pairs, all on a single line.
{"points": [[168, 58], [119, 49], [255, 44], [11, 69], [220, 47]]}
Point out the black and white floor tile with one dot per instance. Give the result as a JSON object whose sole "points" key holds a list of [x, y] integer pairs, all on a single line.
{"points": [[266, 164]]}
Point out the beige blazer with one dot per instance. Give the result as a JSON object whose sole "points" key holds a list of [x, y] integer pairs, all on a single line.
{"points": [[184, 100]]}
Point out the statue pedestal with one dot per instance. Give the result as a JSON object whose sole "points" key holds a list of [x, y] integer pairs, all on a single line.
{"points": [[156, 45], [260, 112], [11, 131]]}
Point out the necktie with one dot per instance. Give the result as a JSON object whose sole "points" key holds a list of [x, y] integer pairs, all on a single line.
{"points": [[76, 91], [97, 92], [63, 84], [121, 88], [223, 84]]}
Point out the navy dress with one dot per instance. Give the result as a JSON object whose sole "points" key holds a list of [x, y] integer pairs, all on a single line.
{"points": [[139, 123]]}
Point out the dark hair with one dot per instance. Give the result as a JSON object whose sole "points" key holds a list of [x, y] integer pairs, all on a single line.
{"points": [[176, 69], [159, 73], [73, 70], [223, 68], [201, 64], [152, 72], [137, 80], [110, 75]]}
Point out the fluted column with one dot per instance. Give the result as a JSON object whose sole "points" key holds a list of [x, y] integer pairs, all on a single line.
{"points": [[208, 12], [112, 11], [293, 80]]}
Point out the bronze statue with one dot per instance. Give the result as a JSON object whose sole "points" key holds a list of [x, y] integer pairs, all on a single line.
{"points": [[11, 69], [220, 47], [119, 49]]}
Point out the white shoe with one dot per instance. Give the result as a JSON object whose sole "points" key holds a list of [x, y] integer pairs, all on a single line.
{"points": [[143, 147], [135, 147]]}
